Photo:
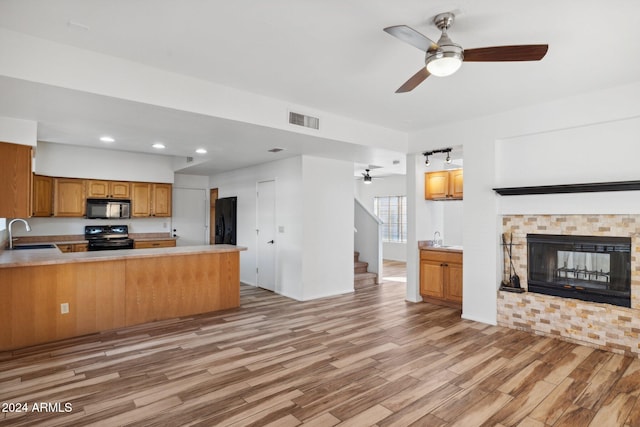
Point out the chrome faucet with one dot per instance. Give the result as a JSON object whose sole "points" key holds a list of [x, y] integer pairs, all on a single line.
{"points": [[26, 224], [437, 241]]}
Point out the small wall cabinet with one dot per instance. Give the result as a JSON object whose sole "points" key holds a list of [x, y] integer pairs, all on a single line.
{"points": [[15, 180], [444, 185], [441, 277], [68, 198], [108, 189], [42, 197]]}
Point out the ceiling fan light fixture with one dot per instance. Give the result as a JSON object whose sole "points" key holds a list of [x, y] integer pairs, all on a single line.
{"points": [[444, 63]]}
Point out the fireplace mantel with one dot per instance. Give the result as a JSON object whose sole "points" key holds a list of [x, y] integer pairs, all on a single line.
{"points": [[569, 188]]}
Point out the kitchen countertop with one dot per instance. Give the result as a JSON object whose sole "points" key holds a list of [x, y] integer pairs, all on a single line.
{"points": [[425, 245], [32, 257], [68, 239]]}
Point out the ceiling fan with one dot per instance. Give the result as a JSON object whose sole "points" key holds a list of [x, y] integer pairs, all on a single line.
{"points": [[366, 177], [445, 57]]}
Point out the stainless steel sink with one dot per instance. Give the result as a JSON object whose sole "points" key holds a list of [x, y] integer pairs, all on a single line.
{"points": [[35, 246]]}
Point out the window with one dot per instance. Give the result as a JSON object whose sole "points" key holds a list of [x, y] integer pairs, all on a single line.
{"points": [[392, 211]]}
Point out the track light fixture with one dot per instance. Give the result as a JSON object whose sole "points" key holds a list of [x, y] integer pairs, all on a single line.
{"points": [[426, 155]]}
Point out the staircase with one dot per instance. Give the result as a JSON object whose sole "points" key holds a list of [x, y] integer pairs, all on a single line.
{"points": [[362, 277]]}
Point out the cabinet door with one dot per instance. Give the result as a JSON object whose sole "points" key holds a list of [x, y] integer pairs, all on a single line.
{"points": [[97, 188], [69, 198], [119, 190], [436, 185], [431, 279], [456, 183], [80, 247], [15, 180], [453, 286], [161, 200], [42, 197], [140, 199], [154, 244]]}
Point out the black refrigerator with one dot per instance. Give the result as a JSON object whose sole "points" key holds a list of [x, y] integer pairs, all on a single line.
{"points": [[226, 220]]}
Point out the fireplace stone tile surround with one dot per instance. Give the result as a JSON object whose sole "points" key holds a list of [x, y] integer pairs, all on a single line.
{"points": [[604, 326]]}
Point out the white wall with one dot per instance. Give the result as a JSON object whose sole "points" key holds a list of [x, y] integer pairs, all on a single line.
{"points": [[393, 185], [50, 226], [487, 162], [79, 69], [316, 244], [327, 252], [17, 131], [242, 183], [72, 161]]}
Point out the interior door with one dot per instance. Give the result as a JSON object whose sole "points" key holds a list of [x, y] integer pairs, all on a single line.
{"points": [[190, 216], [266, 233]]}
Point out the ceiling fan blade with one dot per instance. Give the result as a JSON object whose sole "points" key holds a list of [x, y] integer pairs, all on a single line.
{"points": [[411, 36], [414, 81], [525, 52]]}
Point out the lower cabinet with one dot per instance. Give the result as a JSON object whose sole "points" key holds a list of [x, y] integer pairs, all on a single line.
{"points": [[146, 244], [73, 247], [441, 277]]}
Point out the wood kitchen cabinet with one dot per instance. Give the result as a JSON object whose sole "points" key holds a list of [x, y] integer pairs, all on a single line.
{"points": [[108, 189], [441, 277], [15, 179], [42, 196], [73, 247], [146, 244], [444, 185], [150, 199], [69, 197]]}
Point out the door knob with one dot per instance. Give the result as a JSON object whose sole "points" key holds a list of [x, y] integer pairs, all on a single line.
{"points": [[270, 242]]}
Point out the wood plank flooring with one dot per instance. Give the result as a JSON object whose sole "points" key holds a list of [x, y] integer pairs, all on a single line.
{"points": [[361, 359]]}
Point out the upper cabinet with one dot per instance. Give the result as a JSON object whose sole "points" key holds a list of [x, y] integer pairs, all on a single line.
{"points": [[150, 199], [66, 197], [443, 185], [42, 197], [15, 180], [161, 199], [108, 189], [69, 197]]}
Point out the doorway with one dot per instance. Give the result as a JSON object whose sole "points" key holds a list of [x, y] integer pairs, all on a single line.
{"points": [[190, 216], [266, 230], [213, 196]]}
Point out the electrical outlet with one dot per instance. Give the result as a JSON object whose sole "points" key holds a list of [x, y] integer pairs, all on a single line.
{"points": [[64, 308]]}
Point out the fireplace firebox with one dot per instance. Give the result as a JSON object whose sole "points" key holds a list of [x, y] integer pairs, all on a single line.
{"points": [[589, 268]]}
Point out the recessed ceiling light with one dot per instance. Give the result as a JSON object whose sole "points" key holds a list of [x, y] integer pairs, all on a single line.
{"points": [[106, 139], [201, 151], [158, 146]]}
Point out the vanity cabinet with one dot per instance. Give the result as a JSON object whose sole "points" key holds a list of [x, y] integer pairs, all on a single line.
{"points": [[441, 277], [444, 185]]}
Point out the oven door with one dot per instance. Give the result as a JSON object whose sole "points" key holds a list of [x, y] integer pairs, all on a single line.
{"points": [[110, 245]]}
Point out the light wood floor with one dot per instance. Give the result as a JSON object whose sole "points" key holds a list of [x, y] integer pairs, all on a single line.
{"points": [[361, 359]]}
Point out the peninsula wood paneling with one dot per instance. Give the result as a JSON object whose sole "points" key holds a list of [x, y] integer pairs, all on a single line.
{"points": [[165, 287], [30, 299]]}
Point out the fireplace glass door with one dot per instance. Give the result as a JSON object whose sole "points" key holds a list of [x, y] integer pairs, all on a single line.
{"points": [[590, 268]]}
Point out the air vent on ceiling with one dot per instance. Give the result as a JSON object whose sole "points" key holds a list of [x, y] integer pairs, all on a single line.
{"points": [[302, 120], [189, 159]]}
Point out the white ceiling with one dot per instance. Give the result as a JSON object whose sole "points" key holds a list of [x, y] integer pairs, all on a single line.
{"points": [[330, 55]]}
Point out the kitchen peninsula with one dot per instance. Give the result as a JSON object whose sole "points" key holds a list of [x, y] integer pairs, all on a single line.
{"points": [[47, 295]]}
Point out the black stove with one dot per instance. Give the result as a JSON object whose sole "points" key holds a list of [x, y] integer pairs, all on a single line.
{"points": [[107, 237]]}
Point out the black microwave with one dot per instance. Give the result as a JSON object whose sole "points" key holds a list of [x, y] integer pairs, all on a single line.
{"points": [[108, 208]]}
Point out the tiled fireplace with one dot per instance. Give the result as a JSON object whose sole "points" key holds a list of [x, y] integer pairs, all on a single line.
{"points": [[610, 327]]}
